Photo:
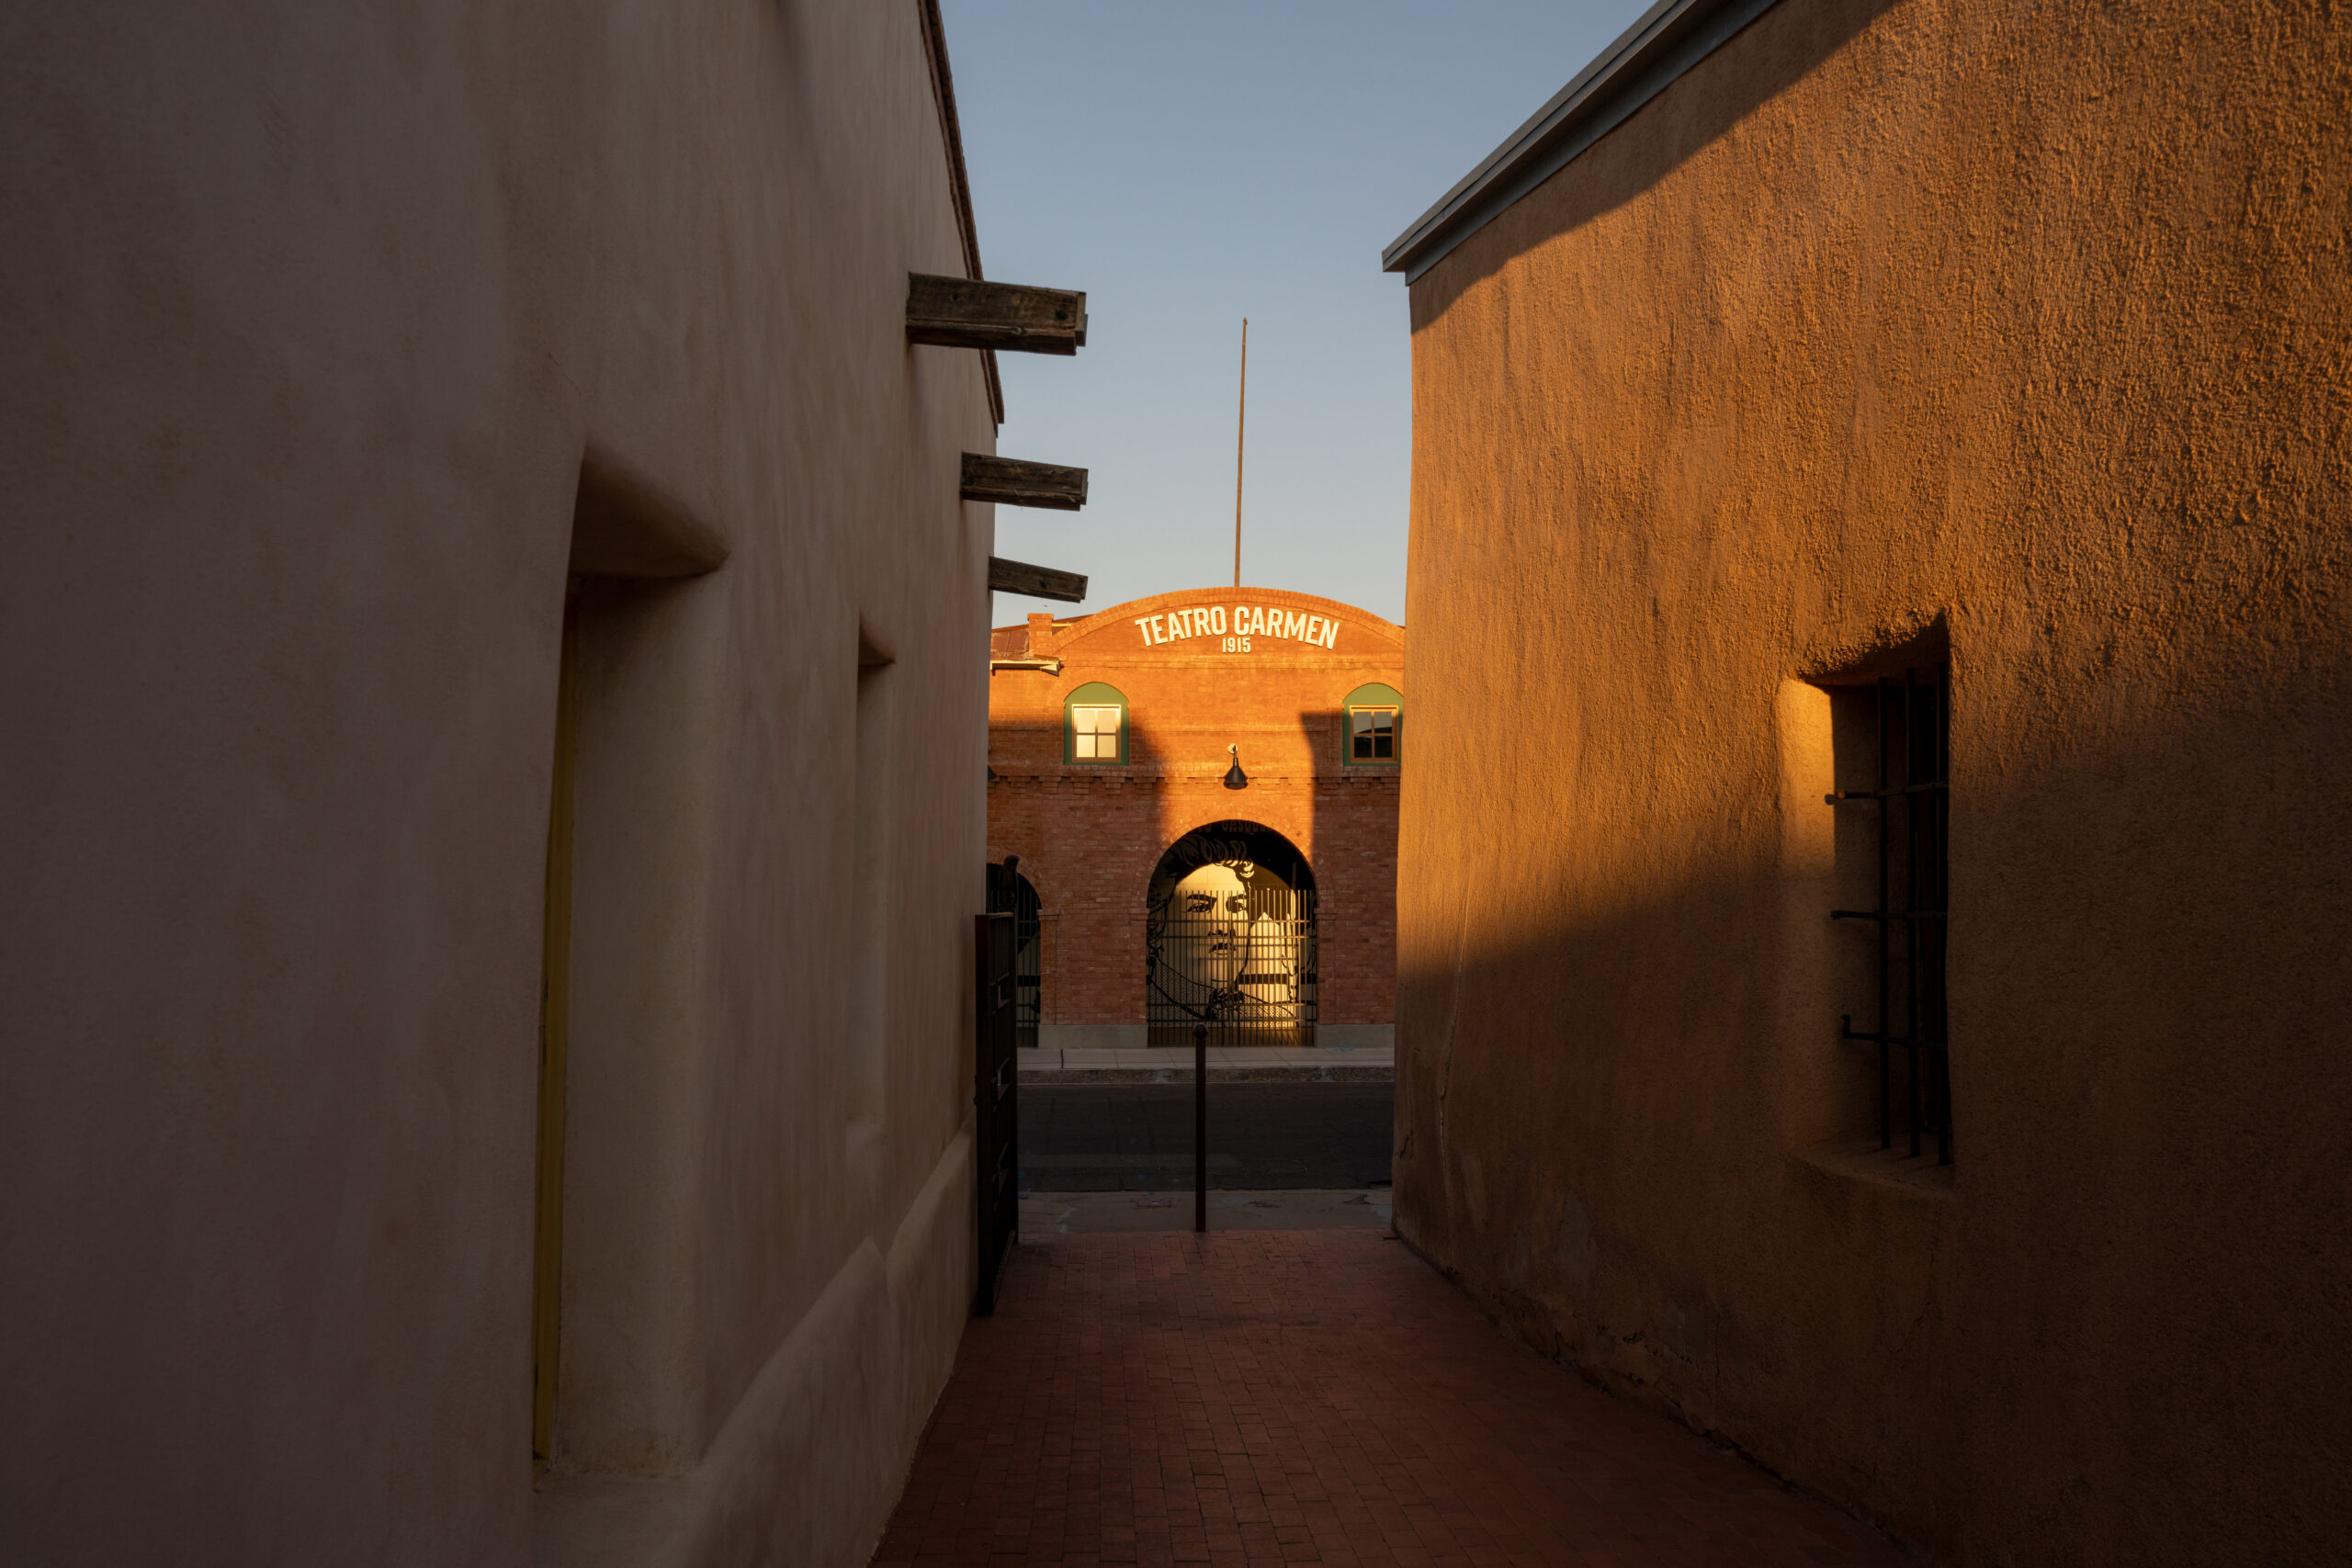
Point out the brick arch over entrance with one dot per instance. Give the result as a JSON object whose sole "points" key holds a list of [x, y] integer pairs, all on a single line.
{"points": [[1041, 877], [1235, 839], [1090, 836]]}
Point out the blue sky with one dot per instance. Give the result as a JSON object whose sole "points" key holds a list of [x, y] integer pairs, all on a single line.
{"points": [[1188, 166]]}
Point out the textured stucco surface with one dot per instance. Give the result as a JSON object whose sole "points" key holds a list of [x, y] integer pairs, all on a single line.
{"points": [[2033, 321], [311, 315]]}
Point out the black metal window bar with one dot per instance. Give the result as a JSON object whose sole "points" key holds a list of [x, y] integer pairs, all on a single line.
{"points": [[1244, 962], [1913, 801]]}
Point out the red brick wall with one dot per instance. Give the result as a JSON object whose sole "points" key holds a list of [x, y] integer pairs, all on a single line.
{"points": [[1089, 836]]}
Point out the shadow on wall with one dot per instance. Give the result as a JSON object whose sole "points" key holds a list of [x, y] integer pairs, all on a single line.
{"points": [[2121, 1323], [1353, 825], [1033, 743], [1674, 127]]}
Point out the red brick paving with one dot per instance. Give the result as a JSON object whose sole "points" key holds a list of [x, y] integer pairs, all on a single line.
{"points": [[1307, 1396]]}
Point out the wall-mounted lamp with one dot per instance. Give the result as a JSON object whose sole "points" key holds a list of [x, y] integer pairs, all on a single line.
{"points": [[1234, 777]]}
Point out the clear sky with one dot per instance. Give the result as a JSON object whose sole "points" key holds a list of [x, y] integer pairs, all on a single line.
{"points": [[1187, 165]]}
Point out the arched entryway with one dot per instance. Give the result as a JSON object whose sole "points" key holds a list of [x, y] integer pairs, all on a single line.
{"points": [[1229, 932]]}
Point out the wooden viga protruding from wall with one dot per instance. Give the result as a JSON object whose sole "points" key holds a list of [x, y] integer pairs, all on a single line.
{"points": [[1037, 581], [1018, 483], [970, 312]]}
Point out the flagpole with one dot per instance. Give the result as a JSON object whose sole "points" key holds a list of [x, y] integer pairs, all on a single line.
{"points": [[1240, 435]]}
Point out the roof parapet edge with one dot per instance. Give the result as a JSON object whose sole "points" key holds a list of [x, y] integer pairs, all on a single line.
{"points": [[951, 131], [1670, 37]]}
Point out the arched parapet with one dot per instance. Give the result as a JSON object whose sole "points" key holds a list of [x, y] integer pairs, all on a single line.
{"points": [[1201, 620]]}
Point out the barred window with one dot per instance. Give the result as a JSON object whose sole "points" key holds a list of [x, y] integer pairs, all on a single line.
{"points": [[1891, 741]]}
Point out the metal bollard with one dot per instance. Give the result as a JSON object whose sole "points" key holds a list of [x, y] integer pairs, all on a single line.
{"points": [[1201, 1125]]}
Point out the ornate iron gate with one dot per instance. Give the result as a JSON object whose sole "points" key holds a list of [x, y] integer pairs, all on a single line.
{"points": [[996, 1092], [1251, 952]]}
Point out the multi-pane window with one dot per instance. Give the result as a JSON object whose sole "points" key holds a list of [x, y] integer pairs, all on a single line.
{"points": [[1372, 735], [1094, 726], [1094, 733], [1372, 726]]}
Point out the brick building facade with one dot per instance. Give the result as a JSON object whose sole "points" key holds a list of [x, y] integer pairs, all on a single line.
{"points": [[1112, 742]]}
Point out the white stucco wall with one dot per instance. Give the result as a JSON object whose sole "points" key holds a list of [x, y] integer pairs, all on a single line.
{"points": [[311, 313]]}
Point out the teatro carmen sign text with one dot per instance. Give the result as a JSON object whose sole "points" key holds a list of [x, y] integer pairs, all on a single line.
{"points": [[1238, 625]]}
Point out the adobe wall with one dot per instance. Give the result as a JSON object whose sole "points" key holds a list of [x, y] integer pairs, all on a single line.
{"points": [[2033, 320], [1089, 836], [315, 312]]}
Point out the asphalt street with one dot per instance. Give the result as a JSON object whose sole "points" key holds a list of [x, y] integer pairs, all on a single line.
{"points": [[1262, 1137]]}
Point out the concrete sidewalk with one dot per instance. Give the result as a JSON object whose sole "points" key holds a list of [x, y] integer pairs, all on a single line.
{"points": [[1309, 1396], [1228, 1063], [1284, 1209], [1137, 1137]]}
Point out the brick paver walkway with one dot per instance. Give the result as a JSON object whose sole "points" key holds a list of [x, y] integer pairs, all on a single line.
{"points": [[1307, 1396]]}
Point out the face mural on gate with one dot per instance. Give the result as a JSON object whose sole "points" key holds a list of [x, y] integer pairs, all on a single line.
{"points": [[1216, 889], [1230, 921], [1248, 948]]}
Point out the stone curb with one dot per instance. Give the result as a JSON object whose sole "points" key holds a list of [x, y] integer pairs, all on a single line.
{"points": [[1334, 1073]]}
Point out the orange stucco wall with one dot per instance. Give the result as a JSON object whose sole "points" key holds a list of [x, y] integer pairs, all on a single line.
{"points": [[1089, 836], [2024, 327]]}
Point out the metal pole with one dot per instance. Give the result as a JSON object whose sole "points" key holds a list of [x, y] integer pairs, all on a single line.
{"points": [[1911, 890], [1240, 434], [1201, 1125], [1886, 935], [1940, 858]]}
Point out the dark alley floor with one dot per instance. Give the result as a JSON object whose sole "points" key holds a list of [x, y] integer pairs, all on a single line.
{"points": [[1317, 1396]]}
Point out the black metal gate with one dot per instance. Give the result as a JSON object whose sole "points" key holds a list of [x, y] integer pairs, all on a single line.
{"points": [[1249, 952], [996, 1091], [1028, 961], [1011, 893]]}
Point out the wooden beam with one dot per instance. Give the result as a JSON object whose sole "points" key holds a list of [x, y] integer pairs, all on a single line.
{"points": [[1016, 483], [1037, 581], [968, 312]]}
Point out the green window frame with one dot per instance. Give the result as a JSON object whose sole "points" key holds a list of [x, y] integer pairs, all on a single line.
{"points": [[1372, 727], [1084, 737]]}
